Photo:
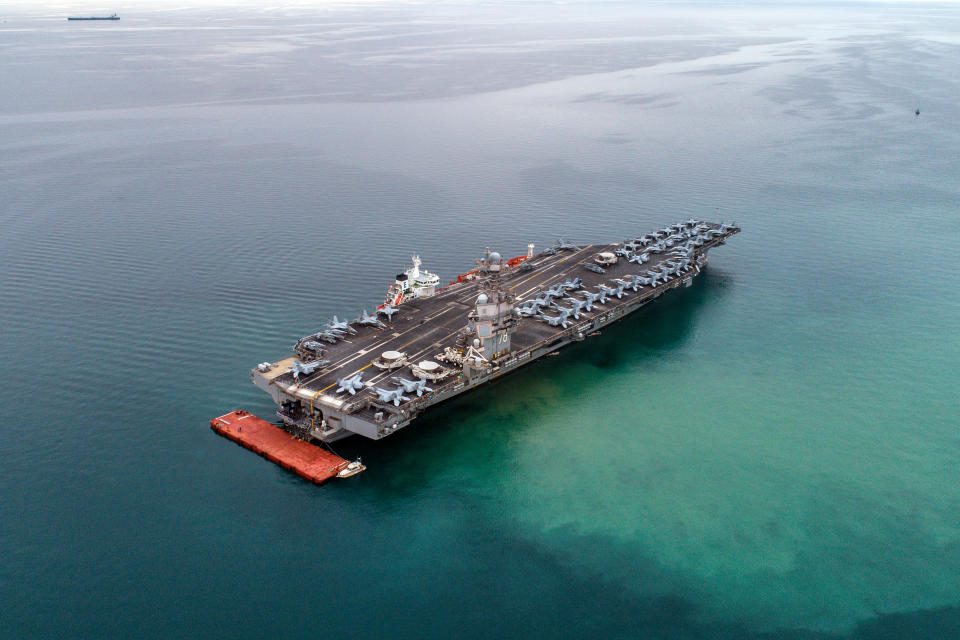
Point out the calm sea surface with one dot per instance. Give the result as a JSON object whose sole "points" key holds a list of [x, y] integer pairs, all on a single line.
{"points": [[771, 453]]}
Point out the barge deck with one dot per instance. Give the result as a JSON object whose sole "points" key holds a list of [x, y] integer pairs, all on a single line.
{"points": [[276, 445]]}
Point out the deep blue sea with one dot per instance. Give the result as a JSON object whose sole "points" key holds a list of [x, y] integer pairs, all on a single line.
{"points": [[773, 453]]}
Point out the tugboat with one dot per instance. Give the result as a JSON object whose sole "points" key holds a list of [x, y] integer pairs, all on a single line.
{"points": [[412, 283]]}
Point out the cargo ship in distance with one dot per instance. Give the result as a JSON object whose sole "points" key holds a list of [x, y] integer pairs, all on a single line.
{"points": [[110, 17], [375, 374]]}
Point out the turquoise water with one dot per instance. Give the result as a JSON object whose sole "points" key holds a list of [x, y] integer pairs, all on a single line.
{"points": [[770, 453]]}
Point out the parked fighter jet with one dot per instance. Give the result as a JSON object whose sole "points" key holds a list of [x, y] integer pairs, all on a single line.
{"points": [[307, 368], [621, 286], [368, 320], [312, 345], [590, 299], [565, 312], [577, 306], [554, 321], [654, 276], [572, 285], [555, 291], [606, 291], [636, 282], [411, 386], [351, 385], [388, 310], [590, 266], [564, 245], [336, 325], [395, 396], [329, 336], [639, 258]]}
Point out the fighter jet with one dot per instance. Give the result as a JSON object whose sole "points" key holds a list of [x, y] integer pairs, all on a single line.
{"points": [[590, 266], [654, 276], [336, 325], [639, 258], [368, 320], [329, 336], [590, 299], [411, 386], [577, 306], [555, 291], [395, 396], [312, 345], [307, 368], [388, 310], [621, 286], [526, 312], [636, 282], [573, 285], [606, 292], [563, 245], [565, 312], [351, 385], [554, 321]]}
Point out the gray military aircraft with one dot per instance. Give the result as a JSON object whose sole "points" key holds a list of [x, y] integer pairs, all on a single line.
{"points": [[578, 305], [654, 276], [606, 291], [388, 310], [565, 312], [329, 336], [526, 311], [591, 298], [368, 320], [336, 325], [573, 285], [639, 258], [312, 345], [563, 245], [555, 291], [591, 266], [621, 287], [351, 385], [395, 395], [554, 321], [307, 368], [411, 386]]}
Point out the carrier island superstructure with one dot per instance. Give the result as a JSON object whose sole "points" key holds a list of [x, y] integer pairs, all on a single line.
{"points": [[374, 375]]}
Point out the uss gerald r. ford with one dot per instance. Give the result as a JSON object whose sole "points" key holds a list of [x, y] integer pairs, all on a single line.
{"points": [[425, 344]]}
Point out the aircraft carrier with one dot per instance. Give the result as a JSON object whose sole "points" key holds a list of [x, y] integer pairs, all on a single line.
{"points": [[374, 375]]}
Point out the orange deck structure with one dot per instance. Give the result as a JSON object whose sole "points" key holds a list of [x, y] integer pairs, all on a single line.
{"points": [[278, 446]]}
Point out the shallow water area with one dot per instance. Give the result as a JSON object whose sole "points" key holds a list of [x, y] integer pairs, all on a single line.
{"points": [[769, 453]]}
